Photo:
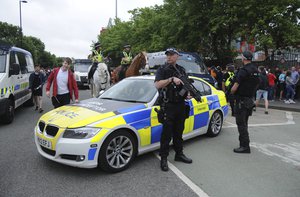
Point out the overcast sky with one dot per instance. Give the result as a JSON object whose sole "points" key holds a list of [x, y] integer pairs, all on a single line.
{"points": [[67, 27]]}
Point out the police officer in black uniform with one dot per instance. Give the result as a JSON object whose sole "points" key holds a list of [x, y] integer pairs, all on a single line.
{"points": [[244, 88], [173, 106]]}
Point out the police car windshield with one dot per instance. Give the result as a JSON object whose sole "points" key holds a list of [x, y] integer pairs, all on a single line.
{"points": [[131, 90], [2, 61], [81, 67]]}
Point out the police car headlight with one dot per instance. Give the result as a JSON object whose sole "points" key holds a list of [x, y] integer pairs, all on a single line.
{"points": [[77, 77], [81, 133]]}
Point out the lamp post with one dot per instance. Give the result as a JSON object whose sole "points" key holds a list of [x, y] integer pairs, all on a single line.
{"points": [[116, 9], [20, 2]]}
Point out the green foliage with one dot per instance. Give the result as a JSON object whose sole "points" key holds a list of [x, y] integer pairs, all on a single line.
{"points": [[208, 26], [11, 34]]}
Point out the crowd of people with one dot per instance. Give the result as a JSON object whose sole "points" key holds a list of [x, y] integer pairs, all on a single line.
{"points": [[63, 81], [275, 83]]}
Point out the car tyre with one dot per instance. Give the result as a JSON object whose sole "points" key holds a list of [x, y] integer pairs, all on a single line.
{"points": [[215, 124], [117, 152], [9, 114]]}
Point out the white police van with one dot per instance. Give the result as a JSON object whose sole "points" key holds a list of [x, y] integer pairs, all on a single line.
{"points": [[16, 65], [81, 67]]}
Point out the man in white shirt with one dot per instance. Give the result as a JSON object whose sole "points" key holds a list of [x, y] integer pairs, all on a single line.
{"points": [[64, 84]]}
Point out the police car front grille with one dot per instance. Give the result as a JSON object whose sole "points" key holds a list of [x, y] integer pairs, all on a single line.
{"points": [[41, 126], [48, 151], [52, 130]]}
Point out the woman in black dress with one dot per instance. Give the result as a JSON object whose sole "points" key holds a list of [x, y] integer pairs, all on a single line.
{"points": [[36, 82]]}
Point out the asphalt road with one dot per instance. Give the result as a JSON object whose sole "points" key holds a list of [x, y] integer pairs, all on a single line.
{"points": [[272, 169]]}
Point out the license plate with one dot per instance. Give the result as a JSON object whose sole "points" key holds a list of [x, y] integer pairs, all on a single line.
{"points": [[44, 143]]}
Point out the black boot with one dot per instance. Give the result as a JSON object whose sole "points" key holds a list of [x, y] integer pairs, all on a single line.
{"points": [[183, 158], [164, 164], [242, 149]]}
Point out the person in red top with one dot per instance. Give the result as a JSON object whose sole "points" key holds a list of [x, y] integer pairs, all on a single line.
{"points": [[64, 84], [271, 78]]}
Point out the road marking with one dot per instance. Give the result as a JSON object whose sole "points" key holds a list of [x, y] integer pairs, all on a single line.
{"points": [[289, 153], [289, 116], [185, 179]]}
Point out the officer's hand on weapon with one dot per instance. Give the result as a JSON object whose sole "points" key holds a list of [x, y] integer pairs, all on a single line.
{"points": [[177, 81]]}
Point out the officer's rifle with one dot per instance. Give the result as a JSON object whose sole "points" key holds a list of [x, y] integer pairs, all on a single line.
{"points": [[188, 86]]}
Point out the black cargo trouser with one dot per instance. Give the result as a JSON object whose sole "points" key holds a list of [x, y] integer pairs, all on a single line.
{"points": [[122, 72], [173, 126], [60, 100], [92, 70], [231, 99], [242, 114]]}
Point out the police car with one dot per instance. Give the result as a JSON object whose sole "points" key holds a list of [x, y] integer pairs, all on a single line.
{"points": [[111, 130]]}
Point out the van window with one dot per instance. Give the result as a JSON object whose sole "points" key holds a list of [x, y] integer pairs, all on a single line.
{"points": [[29, 61], [2, 61], [22, 62]]}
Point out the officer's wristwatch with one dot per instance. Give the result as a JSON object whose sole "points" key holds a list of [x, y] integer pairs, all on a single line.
{"points": [[170, 79]]}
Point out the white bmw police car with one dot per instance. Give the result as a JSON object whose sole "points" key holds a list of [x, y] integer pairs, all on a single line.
{"points": [[111, 130]]}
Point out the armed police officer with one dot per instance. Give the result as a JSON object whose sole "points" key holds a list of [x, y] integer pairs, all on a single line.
{"points": [[125, 61], [244, 88], [96, 57], [173, 107]]}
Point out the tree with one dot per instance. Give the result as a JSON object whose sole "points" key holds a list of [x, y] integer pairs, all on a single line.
{"points": [[35, 46], [210, 27], [10, 33]]}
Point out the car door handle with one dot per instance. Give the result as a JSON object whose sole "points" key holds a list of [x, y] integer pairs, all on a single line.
{"points": [[209, 102], [146, 127]]}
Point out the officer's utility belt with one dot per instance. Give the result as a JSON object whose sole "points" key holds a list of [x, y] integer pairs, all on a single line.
{"points": [[245, 102]]}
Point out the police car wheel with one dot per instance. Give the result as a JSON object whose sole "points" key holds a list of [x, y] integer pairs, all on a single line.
{"points": [[9, 114], [215, 124], [117, 151]]}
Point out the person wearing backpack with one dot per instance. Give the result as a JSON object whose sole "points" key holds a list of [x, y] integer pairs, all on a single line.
{"points": [[262, 89]]}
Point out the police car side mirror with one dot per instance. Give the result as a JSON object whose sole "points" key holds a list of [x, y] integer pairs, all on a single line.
{"points": [[14, 69]]}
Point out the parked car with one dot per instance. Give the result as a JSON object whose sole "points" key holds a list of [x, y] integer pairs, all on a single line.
{"points": [[81, 67], [16, 65], [111, 130], [192, 62]]}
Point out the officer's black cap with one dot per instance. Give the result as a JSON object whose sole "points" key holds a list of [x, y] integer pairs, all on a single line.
{"points": [[247, 55], [171, 51], [127, 46]]}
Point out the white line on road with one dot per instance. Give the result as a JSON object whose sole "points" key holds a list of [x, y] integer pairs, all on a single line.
{"points": [[289, 153], [289, 116], [185, 179]]}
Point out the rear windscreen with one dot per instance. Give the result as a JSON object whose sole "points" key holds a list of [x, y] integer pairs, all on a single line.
{"points": [[190, 64]]}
